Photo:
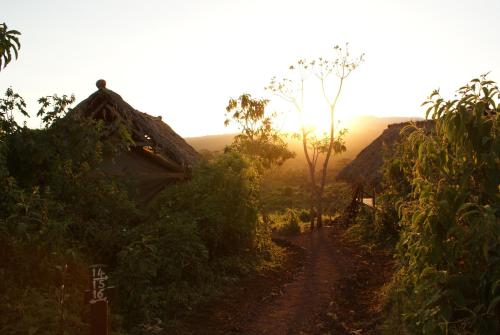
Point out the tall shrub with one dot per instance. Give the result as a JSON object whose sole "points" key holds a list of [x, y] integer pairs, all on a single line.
{"points": [[222, 198], [449, 251]]}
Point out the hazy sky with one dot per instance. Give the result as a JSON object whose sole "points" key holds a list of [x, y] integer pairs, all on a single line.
{"points": [[184, 59]]}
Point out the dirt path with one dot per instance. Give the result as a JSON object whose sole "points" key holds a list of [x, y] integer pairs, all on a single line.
{"points": [[299, 308], [328, 286]]}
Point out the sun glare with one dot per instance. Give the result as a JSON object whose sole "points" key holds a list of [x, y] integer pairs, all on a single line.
{"points": [[315, 118]]}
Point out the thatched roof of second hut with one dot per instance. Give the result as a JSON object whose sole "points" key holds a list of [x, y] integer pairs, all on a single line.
{"points": [[365, 168]]}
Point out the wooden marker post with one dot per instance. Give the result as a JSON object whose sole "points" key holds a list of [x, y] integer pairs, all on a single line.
{"points": [[98, 300]]}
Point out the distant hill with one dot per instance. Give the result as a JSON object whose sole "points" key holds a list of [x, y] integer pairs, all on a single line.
{"points": [[210, 142], [362, 131]]}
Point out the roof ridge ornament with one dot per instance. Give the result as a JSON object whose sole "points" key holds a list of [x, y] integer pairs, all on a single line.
{"points": [[101, 83]]}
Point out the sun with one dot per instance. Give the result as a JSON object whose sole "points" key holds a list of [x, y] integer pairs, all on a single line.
{"points": [[315, 117]]}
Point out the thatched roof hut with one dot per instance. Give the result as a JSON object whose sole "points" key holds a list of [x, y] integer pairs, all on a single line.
{"points": [[159, 156], [365, 168]]}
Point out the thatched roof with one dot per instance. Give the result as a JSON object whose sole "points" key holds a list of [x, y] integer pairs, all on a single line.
{"points": [[147, 131], [159, 155], [365, 168]]}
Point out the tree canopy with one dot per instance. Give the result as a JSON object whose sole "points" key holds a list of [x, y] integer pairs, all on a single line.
{"points": [[9, 45], [258, 139]]}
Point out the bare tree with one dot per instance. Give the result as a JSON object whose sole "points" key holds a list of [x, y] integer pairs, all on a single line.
{"points": [[326, 70]]}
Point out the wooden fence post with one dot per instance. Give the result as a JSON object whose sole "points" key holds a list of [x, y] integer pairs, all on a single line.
{"points": [[98, 300]]}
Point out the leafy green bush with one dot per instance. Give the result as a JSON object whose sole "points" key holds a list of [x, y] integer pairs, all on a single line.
{"points": [[287, 223], [202, 232], [449, 251], [222, 198], [163, 272], [57, 212], [305, 215], [363, 231], [396, 189], [292, 225]]}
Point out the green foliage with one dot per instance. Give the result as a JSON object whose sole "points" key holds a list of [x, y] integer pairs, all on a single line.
{"points": [[449, 249], [57, 211], [363, 231], [337, 197], [222, 197], [365, 216], [32, 290], [12, 103], [202, 232], [9, 43], [292, 225], [163, 272], [305, 215], [58, 107], [287, 223], [258, 138], [320, 144], [66, 157], [276, 197], [32, 247], [396, 189]]}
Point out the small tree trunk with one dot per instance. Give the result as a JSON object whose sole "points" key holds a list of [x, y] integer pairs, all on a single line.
{"points": [[312, 214], [319, 206], [319, 219], [313, 200]]}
